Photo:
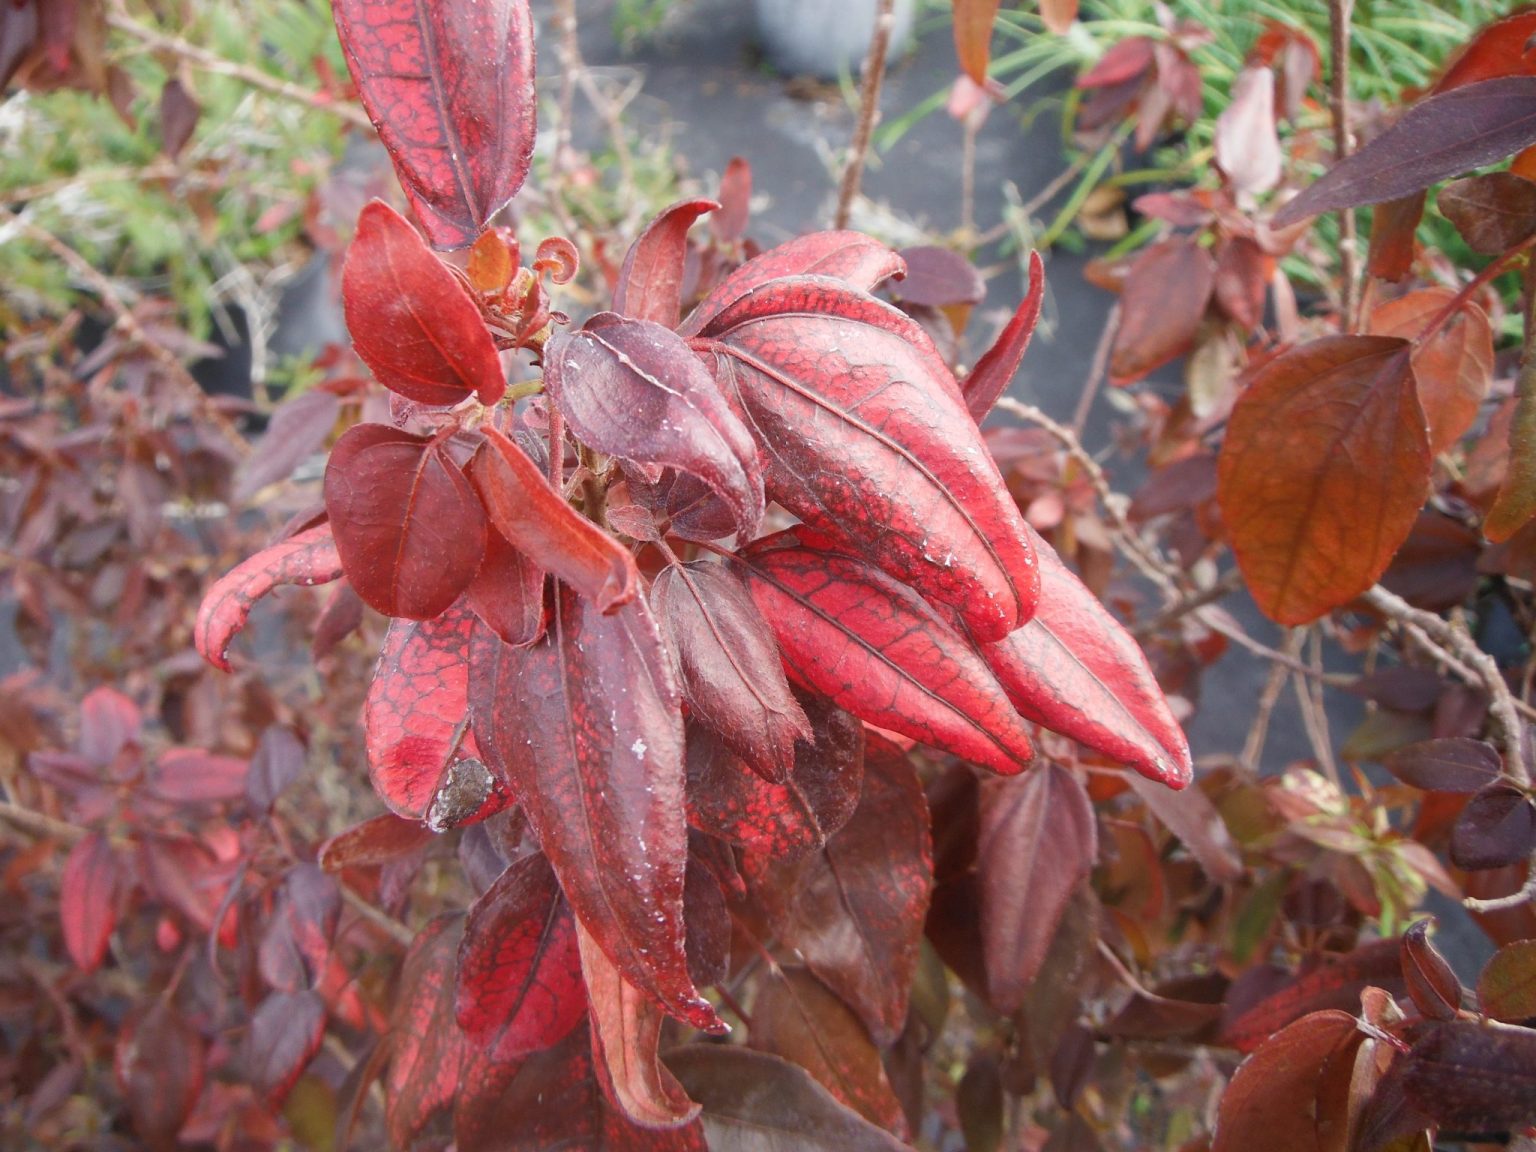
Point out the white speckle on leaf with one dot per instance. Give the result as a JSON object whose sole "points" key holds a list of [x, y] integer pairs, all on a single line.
{"points": [[638, 748]]}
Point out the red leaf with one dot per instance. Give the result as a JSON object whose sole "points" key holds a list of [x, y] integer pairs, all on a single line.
{"points": [[1076, 671], [508, 592], [449, 86], [585, 726], [420, 759], [731, 675], [1394, 228], [877, 649], [853, 257], [408, 527], [1243, 272], [1197, 823], [1278, 1097], [193, 776], [973, 36], [1453, 366], [159, 1068], [1037, 844], [519, 984], [1324, 468], [1473, 1077], [633, 389], [1161, 307], [1433, 986], [865, 436], [285, 1033], [1247, 146], [782, 821], [857, 906], [729, 224], [1440, 136], [626, 1029], [295, 952], [1335, 983], [1493, 212], [997, 368], [87, 900], [429, 1051], [1501, 48], [1123, 62], [373, 842], [540, 524], [651, 281], [307, 558], [411, 319]]}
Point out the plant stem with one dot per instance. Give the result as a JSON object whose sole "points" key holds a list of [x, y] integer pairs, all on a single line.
{"points": [[869, 112], [1457, 302], [1339, 12], [37, 825]]}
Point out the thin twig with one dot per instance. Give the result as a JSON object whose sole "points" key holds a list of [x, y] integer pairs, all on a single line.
{"points": [[1190, 604], [1502, 903], [1096, 370], [1258, 733], [968, 178], [380, 919], [1339, 13], [37, 825], [1313, 717], [869, 112]]}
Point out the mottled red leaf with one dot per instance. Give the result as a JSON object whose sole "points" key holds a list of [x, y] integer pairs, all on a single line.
{"points": [[507, 593], [1394, 226], [633, 389], [1323, 470], [285, 1033], [1334, 983], [450, 88], [1472, 1077], [853, 257], [857, 906], [1500, 48], [88, 900], [585, 726], [1453, 367], [429, 1051], [159, 1068], [373, 842], [650, 283], [729, 663], [877, 649], [1496, 828], [1431, 983], [1076, 671], [1278, 1097], [540, 524], [1247, 146], [1493, 212], [1506, 990], [1443, 135], [1037, 843], [995, 371], [1161, 307], [408, 527], [411, 319], [519, 981], [1455, 764], [864, 435], [754, 1102]]}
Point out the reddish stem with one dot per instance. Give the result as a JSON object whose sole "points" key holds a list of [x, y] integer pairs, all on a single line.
{"points": [[1459, 301]]}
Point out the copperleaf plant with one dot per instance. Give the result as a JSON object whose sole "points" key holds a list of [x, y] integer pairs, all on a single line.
{"points": [[599, 651]]}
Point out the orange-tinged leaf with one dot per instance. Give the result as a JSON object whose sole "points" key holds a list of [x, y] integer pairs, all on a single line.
{"points": [[1394, 224], [1278, 1097], [1058, 15], [1502, 48], [1335, 983], [973, 36], [1516, 502], [1325, 466], [1453, 367]]}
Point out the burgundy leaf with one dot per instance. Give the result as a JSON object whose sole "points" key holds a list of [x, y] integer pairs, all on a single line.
{"points": [[1276, 1099], [109, 724], [279, 760], [779, 820], [507, 594], [193, 776], [519, 983], [1076, 671], [731, 675], [421, 759], [877, 649], [1161, 307], [449, 86], [179, 113], [1190, 815], [708, 941], [411, 319], [159, 1066], [1038, 842], [1443, 135], [1474, 1077], [1455, 764], [729, 224], [408, 527], [1335, 983], [1493, 212], [295, 951], [634, 389], [995, 371], [585, 726], [540, 524], [1243, 272], [1431, 983], [286, 1031], [651, 281], [1495, 829], [857, 906], [1394, 230], [373, 842], [429, 1051], [852, 257], [87, 900], [938, 278], [864, 435], [308, 558]]}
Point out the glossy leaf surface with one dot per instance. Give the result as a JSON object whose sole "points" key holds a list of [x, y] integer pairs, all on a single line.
{"points": [[995, 371], [449, 86], [411, 319], [1432, 985], [651, 281], [428, 1049]]}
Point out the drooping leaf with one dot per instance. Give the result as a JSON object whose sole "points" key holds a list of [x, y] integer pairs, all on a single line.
{"points": [[88, 900], [853, 257], [939, 277], [286, 1031], [1037, 843], [308, 558], [1493, 212], [1496, 828], [507, 593], [651, 281], [298, 428], [1431, 983], [519, 975], [1454, 764], [754, 1102], [1324, 468], [1500, 48], [995, 371], [1506, 990], [373, 842], [540, 524], [1161, 307], [1453, 367], [864, 435], [779, 820], [449, 86], [1279, 1097], [585, 726], [973, 36], [411, 319], [428, 1051], [159, 1066], [1246, 145], [1472, 1077], [1196, 821], [1336, 982], [857, 906], [1076, 670], [729, 663], [1442, 135], [634, 389], [1243, 274], [877, 649], [408, 527]]}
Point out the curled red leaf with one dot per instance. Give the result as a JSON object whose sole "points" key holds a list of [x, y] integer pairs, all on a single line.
{"points": [[1000, 364], [651, 281]]}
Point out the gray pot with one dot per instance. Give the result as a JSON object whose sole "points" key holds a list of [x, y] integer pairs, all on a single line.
{"points": [[825, 37]]}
